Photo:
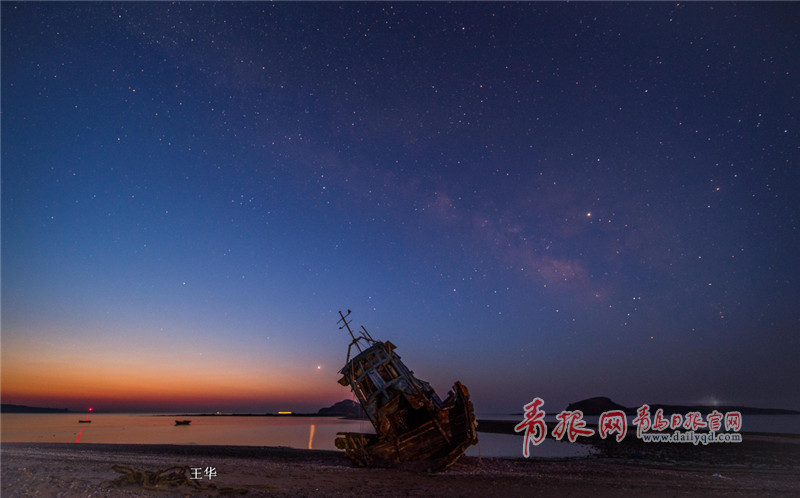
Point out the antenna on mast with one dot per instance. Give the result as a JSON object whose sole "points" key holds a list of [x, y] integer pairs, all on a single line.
{"points": [[346, 323], [363, 335]]}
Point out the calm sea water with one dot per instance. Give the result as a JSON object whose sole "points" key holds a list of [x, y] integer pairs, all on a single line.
{"points": [[295, 432], [316, 433]]}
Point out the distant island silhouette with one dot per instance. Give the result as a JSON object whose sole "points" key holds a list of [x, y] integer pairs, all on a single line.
{"points": [[600, 404], [9, 408], [343, 409], [346, 408], [591, 406]]}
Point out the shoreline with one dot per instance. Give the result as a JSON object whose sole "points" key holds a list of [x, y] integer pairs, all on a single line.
{"points": [[764, 449], [86, 469]]}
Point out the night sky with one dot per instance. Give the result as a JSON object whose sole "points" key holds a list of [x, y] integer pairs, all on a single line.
{"points": [[537, 199]]}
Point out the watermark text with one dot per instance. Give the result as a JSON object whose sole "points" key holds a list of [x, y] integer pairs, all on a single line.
{"points": [[691, 427]]}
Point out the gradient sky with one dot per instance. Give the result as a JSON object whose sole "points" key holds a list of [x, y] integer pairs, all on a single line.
{"points": [[538, 199]]}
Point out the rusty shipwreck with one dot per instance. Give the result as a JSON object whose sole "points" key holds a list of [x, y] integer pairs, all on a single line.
{"points": [[411, 423]]}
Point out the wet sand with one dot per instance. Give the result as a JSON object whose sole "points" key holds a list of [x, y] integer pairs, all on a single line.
{"points": [[68, 469]]}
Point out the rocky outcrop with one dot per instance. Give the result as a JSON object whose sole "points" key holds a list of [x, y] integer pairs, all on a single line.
{"points": [[345, 408]]}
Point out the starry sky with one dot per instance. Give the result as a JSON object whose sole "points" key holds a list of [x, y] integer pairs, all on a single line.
{"points": [[537, 199]]}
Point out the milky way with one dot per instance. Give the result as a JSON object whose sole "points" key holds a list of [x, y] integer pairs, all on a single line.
{"points": [[538, 199]]}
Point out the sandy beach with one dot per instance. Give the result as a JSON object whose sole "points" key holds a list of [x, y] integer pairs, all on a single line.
{"points": [[762, 465]]}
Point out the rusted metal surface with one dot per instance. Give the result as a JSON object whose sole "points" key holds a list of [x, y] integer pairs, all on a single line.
{"points": [[411, 422]]}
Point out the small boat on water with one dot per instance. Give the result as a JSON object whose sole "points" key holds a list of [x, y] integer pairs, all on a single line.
{"points": [[183, 422], [86, 420], [411, 423]]}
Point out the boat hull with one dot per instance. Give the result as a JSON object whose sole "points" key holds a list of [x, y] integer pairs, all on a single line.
{"points": [[438, 440]]}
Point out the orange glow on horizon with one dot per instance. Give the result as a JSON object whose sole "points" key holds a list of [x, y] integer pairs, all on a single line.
{"points": [[40, 368], [57, 384]]}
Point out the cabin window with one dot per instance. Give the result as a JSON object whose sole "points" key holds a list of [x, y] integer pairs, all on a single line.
{"points": [[367, 386], [387, 372], [383, 373]]}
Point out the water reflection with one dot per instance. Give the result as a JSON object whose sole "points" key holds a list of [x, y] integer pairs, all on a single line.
{"points": [[296, 432], [310, 437], [317, 433]]}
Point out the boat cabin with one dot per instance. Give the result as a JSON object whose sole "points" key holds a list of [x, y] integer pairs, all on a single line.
{"points": [[377, 376], [411, 422]]}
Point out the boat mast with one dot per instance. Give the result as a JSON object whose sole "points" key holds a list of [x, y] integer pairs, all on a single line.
{"points": [[363, 335], [347, 325]]}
